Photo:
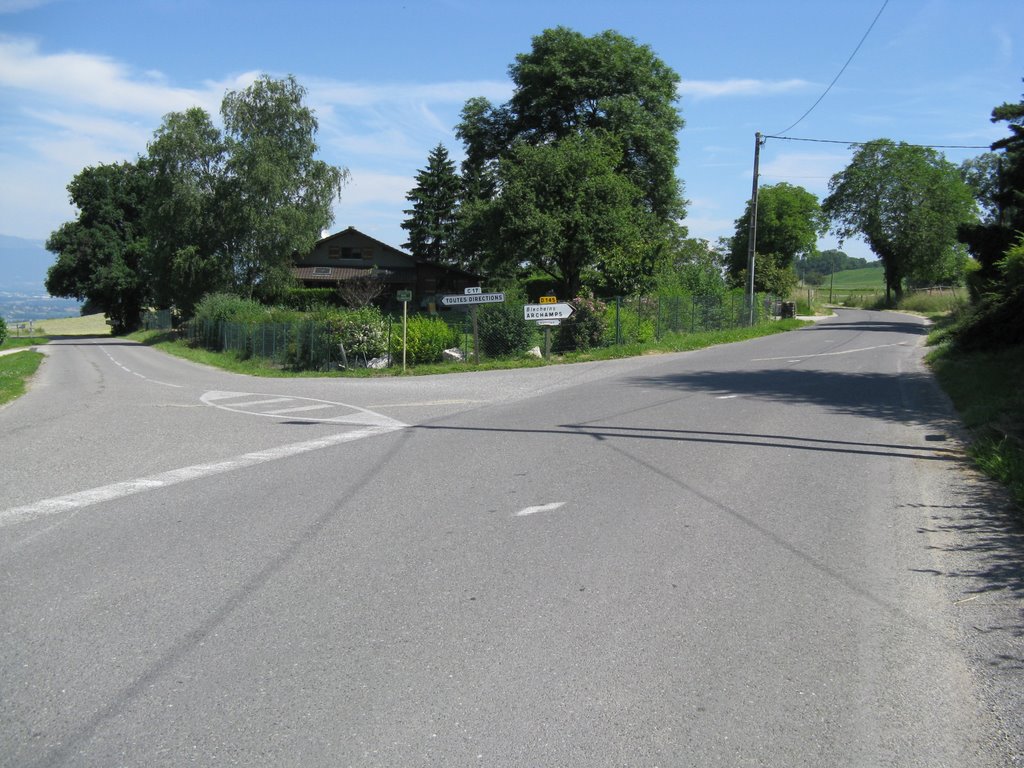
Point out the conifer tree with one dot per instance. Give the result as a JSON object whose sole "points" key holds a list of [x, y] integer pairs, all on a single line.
{"points": [[432, 219]]}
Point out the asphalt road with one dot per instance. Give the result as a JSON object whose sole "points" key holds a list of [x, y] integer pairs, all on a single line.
{"points": [[762, 554]]}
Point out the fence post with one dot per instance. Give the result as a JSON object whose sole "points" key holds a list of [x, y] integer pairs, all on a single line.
{"points": [[618, 322]]}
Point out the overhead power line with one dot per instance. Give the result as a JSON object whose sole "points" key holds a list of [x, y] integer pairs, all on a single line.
{"points": [[836, 78], [862, 143]]}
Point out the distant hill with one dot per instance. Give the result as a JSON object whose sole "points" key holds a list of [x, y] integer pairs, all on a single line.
{"points": [[23, 265], [23, 297]]}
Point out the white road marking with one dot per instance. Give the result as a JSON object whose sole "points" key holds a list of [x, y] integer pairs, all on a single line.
{"points": [[427, 403], [542, 508], [144, 378], [75, 501], [828, 354], [299, 408], [349, 414], [250, 403]]}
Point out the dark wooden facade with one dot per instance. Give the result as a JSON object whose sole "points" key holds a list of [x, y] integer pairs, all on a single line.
{"points": [[351, 254]]}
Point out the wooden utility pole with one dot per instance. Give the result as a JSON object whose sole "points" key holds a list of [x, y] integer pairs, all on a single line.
{"points": [[752, 240]]}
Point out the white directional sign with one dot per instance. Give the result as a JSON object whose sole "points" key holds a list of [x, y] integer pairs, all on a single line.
{"points": [[547, 311], [472, 298]]}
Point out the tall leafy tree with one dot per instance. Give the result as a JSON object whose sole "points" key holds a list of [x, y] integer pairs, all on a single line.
{"points": [[614, 99], [989, 240], [565, 211], [789, 219], [693, 266], [278, 196], [432, 220], [569, 83], [100, 253], [907, 202], [186, 230]]}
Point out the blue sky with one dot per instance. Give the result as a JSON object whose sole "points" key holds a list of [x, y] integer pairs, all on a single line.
{"points": [[88, 81]]}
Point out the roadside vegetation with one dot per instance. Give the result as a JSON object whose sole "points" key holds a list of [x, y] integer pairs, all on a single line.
{"points": [[15, 371], [244, 337], [568, 189]]}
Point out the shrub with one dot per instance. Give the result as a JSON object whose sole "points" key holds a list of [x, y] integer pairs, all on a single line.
{"points": [[363, 332], [321, 335], [632, 328], [584, 328], [503, 330], [227, 307], [3, 330], [307, 299], [427, 339]]}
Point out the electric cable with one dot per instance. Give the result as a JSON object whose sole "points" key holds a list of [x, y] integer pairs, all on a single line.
{"points": [[836, 78]]}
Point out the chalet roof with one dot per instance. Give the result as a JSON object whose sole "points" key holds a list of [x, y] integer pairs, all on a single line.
{"points": [[354, 231], [338, 274]]}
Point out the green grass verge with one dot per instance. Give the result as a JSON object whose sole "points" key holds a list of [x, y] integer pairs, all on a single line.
{"points": [[986, 390], [258, 367], [15, 370], [19, 342]]}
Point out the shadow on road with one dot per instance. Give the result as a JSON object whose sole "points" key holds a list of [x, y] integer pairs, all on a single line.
{"points": [[987, 526], [913, 328], [929, 452], [911, 398]]}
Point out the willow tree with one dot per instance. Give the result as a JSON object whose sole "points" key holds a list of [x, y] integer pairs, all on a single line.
{"points": [[277, 195]]}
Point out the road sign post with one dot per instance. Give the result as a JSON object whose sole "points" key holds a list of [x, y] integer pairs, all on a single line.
{"points": [[405, 297], [548, 313], [472, 298]]}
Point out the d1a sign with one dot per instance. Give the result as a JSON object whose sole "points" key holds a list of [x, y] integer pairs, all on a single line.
{"points": [[547, 311]]}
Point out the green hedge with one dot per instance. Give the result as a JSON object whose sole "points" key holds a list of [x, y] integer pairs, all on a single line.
{"points": [[427, 339]]}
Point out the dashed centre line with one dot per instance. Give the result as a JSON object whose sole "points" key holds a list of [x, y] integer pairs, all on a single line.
{"points": [[798, 358]]}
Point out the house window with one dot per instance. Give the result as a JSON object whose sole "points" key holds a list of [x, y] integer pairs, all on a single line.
{"points": [[334, 252]]}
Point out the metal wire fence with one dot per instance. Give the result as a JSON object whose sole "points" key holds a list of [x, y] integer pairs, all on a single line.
{"points": [[500, 331]]}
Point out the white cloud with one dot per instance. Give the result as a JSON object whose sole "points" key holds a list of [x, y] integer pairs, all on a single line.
{"points": [[810, 170], [739, 87], [92, 80]]}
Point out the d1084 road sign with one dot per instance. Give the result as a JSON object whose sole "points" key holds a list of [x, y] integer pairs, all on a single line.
{"points": [[547, 311], [455, 300]]}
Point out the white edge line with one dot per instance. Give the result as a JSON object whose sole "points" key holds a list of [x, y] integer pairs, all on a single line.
{"points": [[92, 496]]}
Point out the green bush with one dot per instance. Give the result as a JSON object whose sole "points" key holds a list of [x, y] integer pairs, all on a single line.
{"points": [[427, 339], [632, 328], [584, 328], [363, 332], [229, 308], [503, 330], [3, 330], [308, 299]]}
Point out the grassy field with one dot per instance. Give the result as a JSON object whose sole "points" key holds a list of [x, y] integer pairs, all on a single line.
{"points": [[87, 325], [868, 279]]}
